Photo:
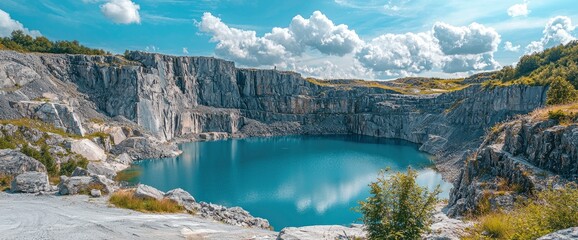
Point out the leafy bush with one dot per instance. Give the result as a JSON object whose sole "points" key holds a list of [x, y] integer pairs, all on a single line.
{"points": [[550, 211], [561, 92], [19, 41], [398, 207], [126, 199]]}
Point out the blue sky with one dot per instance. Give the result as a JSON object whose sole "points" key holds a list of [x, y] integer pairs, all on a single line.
{"points": [[377, 39]]}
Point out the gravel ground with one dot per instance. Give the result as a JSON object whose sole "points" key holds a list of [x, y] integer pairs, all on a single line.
{"points": [[25, 216]]}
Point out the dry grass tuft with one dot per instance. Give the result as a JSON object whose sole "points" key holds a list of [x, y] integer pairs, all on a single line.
{"points": [[126, 199]]}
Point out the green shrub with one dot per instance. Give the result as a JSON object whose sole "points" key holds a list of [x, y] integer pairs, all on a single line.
{"points": [[42, 156], [68, 167], [563, 117], [561, 92], [126, 199], [398, 207], [6, 142], [550, 211]]}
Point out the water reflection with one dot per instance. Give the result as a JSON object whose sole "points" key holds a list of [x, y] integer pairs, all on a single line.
{"points": [[292, 181]]}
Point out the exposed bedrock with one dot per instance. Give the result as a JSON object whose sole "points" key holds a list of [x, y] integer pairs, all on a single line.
{"points": [[187, 97], [517, 158]]}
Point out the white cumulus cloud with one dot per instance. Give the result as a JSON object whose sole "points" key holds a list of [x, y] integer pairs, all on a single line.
{"points": [[281, 44], [8, 25], [509, 46], [121, 11], [401, 54], [517, 10], [242, 46], [559, 30], [472, 39], [445, 47], [470, 63]]}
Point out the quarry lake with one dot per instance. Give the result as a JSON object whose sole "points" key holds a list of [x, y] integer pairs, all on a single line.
{"points": [[291, 180]]}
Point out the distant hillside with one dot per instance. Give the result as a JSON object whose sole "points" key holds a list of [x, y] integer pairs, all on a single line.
{"points": [[555, 67]]}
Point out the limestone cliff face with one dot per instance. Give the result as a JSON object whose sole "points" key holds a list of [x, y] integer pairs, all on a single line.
{"points": [[182, 97], [517, 158]]}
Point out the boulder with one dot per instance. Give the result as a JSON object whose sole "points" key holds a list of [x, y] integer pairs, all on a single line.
{"points": [[143, 148], [31, 182], [566, 234], [321, 232], [117, 134], [87, 149], [84, 184], [95, 193], [148, 192], [101, 168], [13, 162], [233, 216], [181, 197]]}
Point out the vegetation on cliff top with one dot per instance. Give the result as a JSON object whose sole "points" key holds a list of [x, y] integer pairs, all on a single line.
{"points": [[398, 207], [414, 85], [555, 67], [21, 42]]}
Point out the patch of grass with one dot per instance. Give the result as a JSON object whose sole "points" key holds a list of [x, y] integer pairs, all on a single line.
{"points": [[550, 211], [126, 199], [5, 181], [91, 186], [41, 99], [37, 124], [563, 117], [101, 135], [97, 120], [6, 142], [556, 112]]}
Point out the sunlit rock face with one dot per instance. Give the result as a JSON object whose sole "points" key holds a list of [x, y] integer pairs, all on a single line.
{"points": [[182, 97]]}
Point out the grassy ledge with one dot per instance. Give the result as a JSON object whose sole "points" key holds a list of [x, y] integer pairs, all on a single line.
{"points": [[549, 211], [126, 199]]}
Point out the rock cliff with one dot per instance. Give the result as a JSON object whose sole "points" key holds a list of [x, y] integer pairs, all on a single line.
{"points": [[518, 157], [183, 98]]}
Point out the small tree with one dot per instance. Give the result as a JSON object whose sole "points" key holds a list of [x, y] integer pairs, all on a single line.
{"points": [[561, 92], [398, 208]]}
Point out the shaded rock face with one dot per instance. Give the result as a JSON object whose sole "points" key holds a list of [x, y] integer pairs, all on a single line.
{"points": [[30, 182], [189, 97], [13, 162], [522, 156]]}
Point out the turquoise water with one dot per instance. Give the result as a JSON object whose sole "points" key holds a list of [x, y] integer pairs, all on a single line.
{"points": [[291, 181]]}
